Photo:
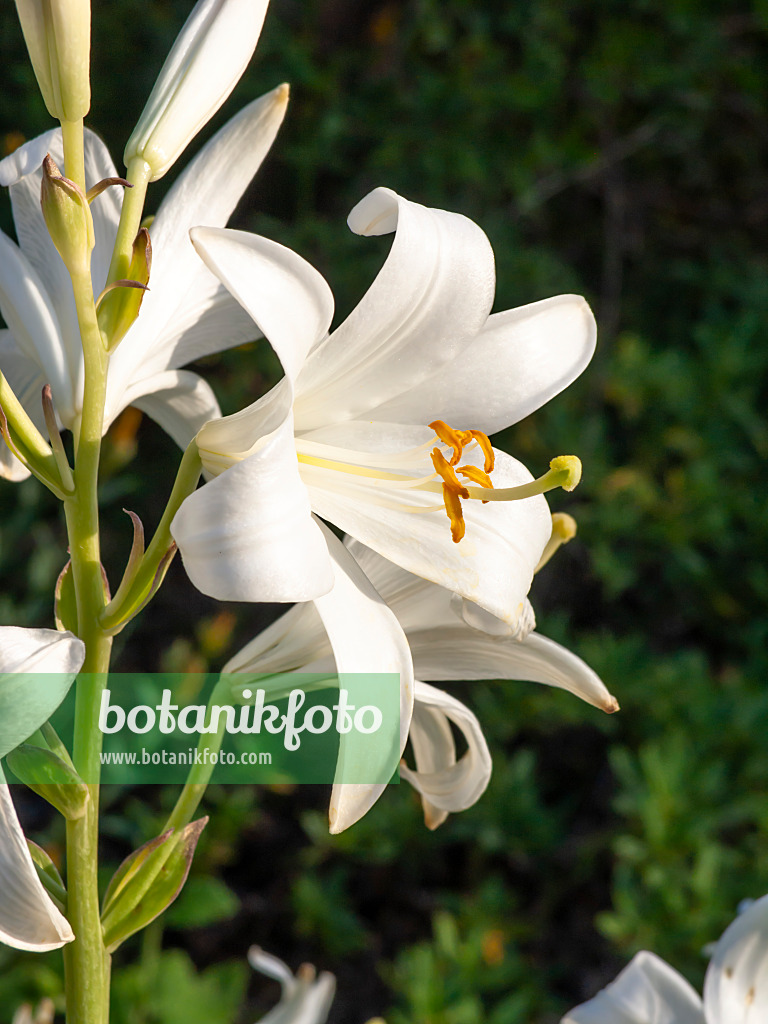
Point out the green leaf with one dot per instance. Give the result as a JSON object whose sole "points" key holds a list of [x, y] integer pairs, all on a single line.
{"points": [[148, 882], [204, 901], [64, 601], [51, 778]]}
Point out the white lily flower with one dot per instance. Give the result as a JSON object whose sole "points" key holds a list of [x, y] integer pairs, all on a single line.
{"points": [[444, 646], [306, 997], [649, 991], [186, 313], [28, 917], [58, 38], [348, 630], [344, 433], [205, 63]]}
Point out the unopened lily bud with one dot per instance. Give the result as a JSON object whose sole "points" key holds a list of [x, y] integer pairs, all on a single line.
{"points": [[67, 217], [58, 38], [203, 67]]}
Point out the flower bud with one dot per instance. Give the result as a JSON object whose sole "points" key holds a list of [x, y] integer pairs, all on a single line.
{"points": [[58, 38], [67, 217], [203, 67]]}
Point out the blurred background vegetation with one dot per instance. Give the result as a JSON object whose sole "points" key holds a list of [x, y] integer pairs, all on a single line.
{"points": [[615, 149]]}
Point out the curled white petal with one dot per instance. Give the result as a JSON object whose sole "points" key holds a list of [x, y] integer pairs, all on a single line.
{"points": [[445, 784], [736, 984], [647, 991], [306, 997], [434, 292], [37, 667], [29, 919], [248, 535], [520, 360]]}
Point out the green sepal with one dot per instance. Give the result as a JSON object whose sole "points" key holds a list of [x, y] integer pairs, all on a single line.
{"points": [[51, 778], [49, 875], [119, 305], [147, 882], [65, 599]]}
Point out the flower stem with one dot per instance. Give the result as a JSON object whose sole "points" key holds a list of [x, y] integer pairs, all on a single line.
{"points": [[74, 151], [85, 959], [138, 174], [199, 774]]}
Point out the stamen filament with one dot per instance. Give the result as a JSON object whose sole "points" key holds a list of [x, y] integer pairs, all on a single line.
{"points": [[564, 471], [563, 530]]}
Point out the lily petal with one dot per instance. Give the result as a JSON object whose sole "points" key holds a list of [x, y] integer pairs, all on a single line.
{"points": [[37, 668], [187, 314], [434, 291], [365, 636], [461, 652], [647, 991], [306, 998], [178, 400], [287, 298], [445, 784], [450, 646], [28, 918], [32, 320], [735, 988], [520, 359], [248, 535]]}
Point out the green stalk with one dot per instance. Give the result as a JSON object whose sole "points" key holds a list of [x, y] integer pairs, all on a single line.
{"points": [[138, 174], [199, 774], [131, 598], [74, 151], [85, 959]]}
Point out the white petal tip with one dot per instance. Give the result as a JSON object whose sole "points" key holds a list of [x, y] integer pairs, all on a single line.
{"points": [[610, 706]]}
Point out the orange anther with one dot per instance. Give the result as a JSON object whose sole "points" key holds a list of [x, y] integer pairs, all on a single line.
{"points": [[453, 508], [484, 442], [477, 476], [450, 480], [449, 437]]}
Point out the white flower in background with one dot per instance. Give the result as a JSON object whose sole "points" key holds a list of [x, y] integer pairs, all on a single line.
{"points": [[58, 38], [205, 63], [28, 917], [306, 997], [186, 313], [649, 991], [345, 434], [444, 647]]}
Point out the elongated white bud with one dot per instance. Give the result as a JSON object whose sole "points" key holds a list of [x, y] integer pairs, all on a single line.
{"points": [[203, 67], [58, 38]]}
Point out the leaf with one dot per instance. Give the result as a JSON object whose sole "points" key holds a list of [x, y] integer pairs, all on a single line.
{"points": [[64, 603], [204, 901], [148, 882], [51, 778]]}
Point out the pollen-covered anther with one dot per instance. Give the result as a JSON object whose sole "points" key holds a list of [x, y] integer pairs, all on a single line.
{"points": [[453, 492], [450, 437], [459, 439], [477, 476], [484, 443]]}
